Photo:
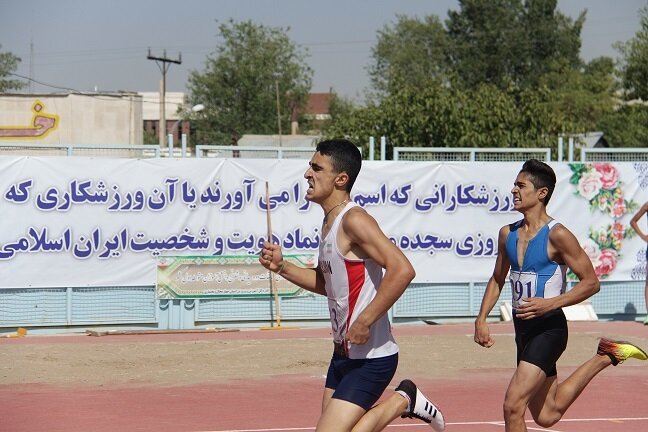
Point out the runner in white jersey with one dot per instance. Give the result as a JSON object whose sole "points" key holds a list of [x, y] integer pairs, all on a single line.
{"points": [[350, 287], [537, 251], [363, 274]]}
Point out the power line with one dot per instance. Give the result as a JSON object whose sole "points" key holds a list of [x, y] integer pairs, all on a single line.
{"points": [[73, 91]]}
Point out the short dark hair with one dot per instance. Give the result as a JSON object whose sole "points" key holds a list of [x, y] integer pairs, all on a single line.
{"points": [[345, 156], [541, 175]]}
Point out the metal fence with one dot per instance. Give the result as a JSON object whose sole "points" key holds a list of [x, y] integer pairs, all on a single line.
{"points": [[455, 154], [253, 152], [115, 151], [427, 154], [614, 155], [137, 306]]}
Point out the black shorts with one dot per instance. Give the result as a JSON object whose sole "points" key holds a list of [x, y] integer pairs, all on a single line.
{"points": [[360, 381], [541, 341]]}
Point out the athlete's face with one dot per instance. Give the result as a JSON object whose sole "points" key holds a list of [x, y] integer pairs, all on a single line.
{"points": [[525, 194], [321, 177]]}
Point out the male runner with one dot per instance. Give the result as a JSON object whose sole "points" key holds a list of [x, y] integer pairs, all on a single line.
{"points": [[352, 255], [538, 250]]}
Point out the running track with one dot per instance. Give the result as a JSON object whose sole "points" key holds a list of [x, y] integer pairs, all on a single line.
{"points": [[617, 400]]}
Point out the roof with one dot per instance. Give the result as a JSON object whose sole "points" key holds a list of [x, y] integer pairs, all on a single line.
{"points": [[592, 140], [319, 103]]}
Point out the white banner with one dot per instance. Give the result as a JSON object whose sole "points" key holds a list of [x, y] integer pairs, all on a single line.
{"points": [[103, 222]]}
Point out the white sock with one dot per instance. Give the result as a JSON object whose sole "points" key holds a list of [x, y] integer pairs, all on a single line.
{"points": [[407, 398]]}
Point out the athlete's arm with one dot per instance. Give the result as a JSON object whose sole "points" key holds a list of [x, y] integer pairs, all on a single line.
{"points": [[493, 290], [310, 279], [367, 240], [564, 248], [634, 222]]}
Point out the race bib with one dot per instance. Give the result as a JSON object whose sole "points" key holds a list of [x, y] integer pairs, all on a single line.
{"points": [[338, 319], [523, 285]]}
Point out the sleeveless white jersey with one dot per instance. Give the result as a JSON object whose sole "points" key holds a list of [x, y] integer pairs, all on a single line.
{"points": [[350, 285]]}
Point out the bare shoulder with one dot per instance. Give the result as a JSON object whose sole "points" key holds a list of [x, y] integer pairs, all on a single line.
{"points": [[561, 237], [356, 215], [357, 218]]}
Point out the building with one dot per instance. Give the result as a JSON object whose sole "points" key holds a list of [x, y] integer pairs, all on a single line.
{"points": [[317, 111], [101, 119], [175, 107], [591, 140]]}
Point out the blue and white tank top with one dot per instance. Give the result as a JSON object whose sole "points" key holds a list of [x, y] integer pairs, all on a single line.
{"points": [[538, 276]]}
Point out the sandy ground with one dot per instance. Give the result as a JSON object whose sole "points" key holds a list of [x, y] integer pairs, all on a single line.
{"points": [[184, 359]]}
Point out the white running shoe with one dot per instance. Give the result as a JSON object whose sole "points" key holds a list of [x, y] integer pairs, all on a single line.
{"points": [[420, 407]]}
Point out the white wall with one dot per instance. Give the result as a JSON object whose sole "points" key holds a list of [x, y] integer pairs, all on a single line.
{"points": [[95, 119]]}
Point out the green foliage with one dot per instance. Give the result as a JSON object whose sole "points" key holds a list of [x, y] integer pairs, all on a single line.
{"points": [[503, 73], [634, 69], [8, 64], [150, 137], [582, 97], [443, 116], [503, 41], [413, 49], [241, 80], [626, 127]]}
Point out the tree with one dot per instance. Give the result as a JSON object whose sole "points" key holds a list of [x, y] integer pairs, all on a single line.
{"points": [[445, 116], [413, 49], [634, 67], [581, 98], [240, 83], [627, 126], [8, 64], [503, 41]]}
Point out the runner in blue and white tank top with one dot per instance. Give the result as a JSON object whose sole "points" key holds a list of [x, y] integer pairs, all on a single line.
{"points": [[537, 251]]}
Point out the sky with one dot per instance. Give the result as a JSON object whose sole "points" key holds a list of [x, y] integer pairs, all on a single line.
{"points": [[88, 45]]}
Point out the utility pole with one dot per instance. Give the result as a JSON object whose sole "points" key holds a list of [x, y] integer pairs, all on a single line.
{"points": [[278, 110], [162, 63], [31, 63]]}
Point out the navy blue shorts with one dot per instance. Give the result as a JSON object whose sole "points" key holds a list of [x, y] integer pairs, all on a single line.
{"points": [[360, 381]]}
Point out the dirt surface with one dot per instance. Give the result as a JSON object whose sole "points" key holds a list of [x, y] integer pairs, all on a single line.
{"points": [[168, 360]]}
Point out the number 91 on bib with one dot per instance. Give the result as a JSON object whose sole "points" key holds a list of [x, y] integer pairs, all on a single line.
{"points": [[523, 285]]}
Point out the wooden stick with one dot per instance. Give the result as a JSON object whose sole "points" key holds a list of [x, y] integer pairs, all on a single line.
{"points": [[273, 288]]}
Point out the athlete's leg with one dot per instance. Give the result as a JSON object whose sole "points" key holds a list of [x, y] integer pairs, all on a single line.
{"points": [[526, 381], [339, 416], [381, 415], [646, 296], [406, 401], [550, 403], [326, 397], [353, 386]]}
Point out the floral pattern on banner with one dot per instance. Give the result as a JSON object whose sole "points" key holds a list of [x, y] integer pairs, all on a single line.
{"points": [[604, 247], [600, 185]]}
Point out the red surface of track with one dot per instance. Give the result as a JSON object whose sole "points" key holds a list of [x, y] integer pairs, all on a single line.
{"points": [[617, 400]]}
